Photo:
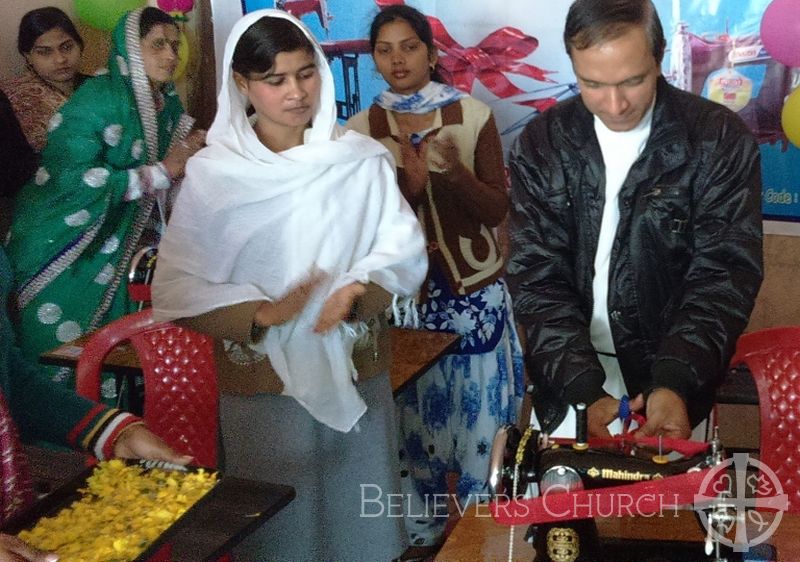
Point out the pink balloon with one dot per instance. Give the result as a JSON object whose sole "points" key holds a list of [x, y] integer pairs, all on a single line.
{"points": [[182, 6], [780, 31]]}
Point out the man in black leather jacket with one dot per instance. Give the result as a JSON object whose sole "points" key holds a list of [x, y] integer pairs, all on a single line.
{"points": [[684, 258]]}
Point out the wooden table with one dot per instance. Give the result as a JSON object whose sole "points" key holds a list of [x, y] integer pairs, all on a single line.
{"points": [[413, 352], [477, 537]]}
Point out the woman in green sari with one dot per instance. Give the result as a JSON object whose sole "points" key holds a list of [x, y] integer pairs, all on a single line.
{"points": [[113, 154]]}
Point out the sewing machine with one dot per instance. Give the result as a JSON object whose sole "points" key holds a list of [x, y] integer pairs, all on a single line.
{"points": [[558, 487]]}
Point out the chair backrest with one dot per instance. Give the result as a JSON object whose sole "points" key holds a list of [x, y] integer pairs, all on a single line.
{"points": [[180, 380], [773, 357]]}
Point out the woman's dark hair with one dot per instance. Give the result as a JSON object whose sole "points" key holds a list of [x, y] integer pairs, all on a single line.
{"points": [[413, 17], [258, 46], [591, 22], [37, 22], [152, 17]]}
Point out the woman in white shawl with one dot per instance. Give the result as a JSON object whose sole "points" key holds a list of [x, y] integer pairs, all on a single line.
{"points": [[286, 238]]}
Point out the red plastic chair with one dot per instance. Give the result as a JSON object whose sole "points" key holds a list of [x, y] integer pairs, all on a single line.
{"points": [[180, 380], [773, 357]]}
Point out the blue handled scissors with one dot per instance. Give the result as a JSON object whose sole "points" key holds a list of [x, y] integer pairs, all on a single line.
{"points": [[626, 415]]}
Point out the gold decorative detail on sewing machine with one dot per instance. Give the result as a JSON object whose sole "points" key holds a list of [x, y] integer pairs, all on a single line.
{"points": [[563, 544], [622, 474], [522, 444]]}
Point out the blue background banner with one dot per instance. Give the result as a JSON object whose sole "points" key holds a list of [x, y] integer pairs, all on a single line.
{"points": [[511, 56]]}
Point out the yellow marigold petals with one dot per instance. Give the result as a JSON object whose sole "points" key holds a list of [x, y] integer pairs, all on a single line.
{"points": [[123, 509]]}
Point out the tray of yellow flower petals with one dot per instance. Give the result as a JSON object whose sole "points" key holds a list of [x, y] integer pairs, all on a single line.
{"points": [[128, 511]]}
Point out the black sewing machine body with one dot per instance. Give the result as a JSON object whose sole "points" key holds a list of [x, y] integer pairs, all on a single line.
{"points": [[527, 465], [558, 463]]}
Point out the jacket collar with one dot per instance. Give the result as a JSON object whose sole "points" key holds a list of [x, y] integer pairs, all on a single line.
{"points": [[668, 146], [667, 123], [668, 134], [665, 120]]}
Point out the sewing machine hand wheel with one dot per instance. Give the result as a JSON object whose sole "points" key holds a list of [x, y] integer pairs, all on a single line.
{"points": [[512, 450]]}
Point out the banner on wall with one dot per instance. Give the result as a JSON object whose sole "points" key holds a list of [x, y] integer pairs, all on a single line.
{"points": [[512, 57]]}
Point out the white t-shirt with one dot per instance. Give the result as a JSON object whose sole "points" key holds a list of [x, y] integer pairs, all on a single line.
{"points": [[620, 150]]}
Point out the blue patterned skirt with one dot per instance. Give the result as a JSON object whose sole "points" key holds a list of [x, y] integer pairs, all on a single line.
{"points": [[449, 417]]}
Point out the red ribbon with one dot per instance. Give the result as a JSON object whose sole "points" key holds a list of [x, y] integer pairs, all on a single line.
{"points": [[498, 53], [643, 498], [685, 447]]}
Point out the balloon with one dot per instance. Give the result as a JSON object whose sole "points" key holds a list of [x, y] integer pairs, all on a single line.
{"points": [[790, 117], [183, 56], [780, 30], [182, 6], [104, 14]]}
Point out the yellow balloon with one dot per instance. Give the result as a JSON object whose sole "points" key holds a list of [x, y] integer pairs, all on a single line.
{"points": [[790, 117], [183, 57]]}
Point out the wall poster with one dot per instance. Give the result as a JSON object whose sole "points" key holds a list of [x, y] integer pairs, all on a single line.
{"points": [[511, 56]]}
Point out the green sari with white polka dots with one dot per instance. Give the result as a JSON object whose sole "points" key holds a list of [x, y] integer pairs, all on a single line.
{"points": [[74, 232]]}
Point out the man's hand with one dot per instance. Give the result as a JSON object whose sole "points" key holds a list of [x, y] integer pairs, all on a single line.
{"points": [[138, 442], [605, 411], [666, 415], [600, 414], [338, 306], [12, 549]]}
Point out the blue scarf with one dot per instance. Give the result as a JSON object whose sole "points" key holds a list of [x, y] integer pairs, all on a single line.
{"points": [[431, 97]]}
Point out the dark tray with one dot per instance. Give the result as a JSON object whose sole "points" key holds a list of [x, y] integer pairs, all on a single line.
{"points": [[220, 520]]}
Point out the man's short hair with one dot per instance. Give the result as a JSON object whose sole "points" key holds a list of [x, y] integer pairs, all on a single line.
{"points": [[592, 22]]}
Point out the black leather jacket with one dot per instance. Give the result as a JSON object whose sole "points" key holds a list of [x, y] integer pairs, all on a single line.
{"points": [[685, 266]]}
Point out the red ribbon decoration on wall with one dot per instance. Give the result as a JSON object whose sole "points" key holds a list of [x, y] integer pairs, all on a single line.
{"points": [[497, 53]]}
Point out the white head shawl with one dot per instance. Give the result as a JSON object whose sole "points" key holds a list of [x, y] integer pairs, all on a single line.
{"points": [[250, 223]]}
